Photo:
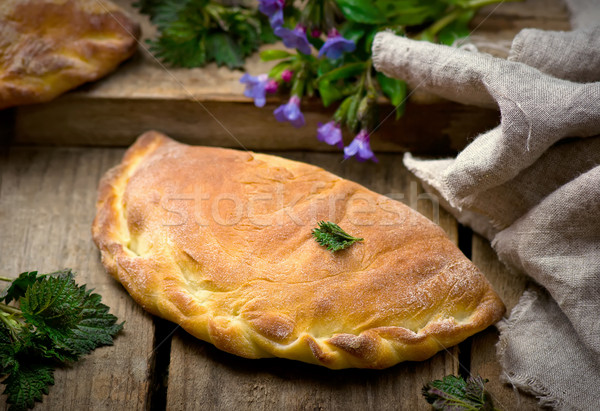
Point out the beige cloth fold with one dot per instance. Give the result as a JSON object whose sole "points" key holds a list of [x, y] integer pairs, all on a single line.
{"points": [[532, 186]]}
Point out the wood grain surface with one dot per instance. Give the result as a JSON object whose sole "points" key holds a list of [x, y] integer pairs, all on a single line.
{"points": [[46, 207], [47, 203], [509, 286], [206, 106], [221, 381], [47, 198]]}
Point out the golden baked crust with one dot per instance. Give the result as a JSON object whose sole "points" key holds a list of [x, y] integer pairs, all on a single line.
{"points": [[220, 242], [50, 46]]}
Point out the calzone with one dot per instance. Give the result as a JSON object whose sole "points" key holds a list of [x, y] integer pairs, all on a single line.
{"points": [[220, 241], [50, 46]]}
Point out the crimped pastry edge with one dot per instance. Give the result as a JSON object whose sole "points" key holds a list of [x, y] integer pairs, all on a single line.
{"points": [[376, 348]]}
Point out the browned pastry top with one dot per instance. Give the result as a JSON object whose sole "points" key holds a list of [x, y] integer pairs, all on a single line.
{"points": [[50, 46], [220, 242]]}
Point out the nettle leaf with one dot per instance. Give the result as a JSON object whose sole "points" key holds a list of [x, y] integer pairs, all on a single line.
{"points": [[59, 322], [361, 11], [454, 393], [69, 315], [7, 350], [193, 33], [395, 90], [224, 51], [330, 235], [28, 385], [95, 328], [18, 286], [53, 305]]}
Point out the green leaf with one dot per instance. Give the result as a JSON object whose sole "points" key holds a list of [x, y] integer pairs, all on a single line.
{"points": [[457, 394], [182, 53], [342, 112], [72, 317], [329, 93], [325, 65], [224, 51], [278, 69], [95, 328], [394, 90], [7, 350], [459, 28], [269, 55], [411, 12], [52, 305], [195, 32], [361, 11], [346, 71], [27, 385], [353, 31], [352, 114], [330, 235], [147, 6], [18, 286]]}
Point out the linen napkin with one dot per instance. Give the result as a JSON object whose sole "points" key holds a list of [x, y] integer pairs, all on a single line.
{"points": [[531, 186]]}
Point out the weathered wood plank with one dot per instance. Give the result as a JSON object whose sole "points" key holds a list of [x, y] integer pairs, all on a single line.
{"points": [[202, 377], [439, 128], [47, 204], [143, 94], [509, 286], [495, 26]]}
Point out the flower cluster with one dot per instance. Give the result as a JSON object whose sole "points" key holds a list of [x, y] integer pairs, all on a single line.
{"points": [[333, 48], [335, 66]]}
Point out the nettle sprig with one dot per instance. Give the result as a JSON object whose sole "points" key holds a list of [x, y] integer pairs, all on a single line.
{"points": [[453, 393], [193, 33], [47, 320]]}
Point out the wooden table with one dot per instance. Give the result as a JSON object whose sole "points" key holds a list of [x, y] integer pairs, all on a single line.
{"points": [[54, 154]]}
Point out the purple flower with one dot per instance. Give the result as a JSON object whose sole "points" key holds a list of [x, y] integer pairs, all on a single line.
{"points": [[287, 75], [294, 39], [290, 112], [360, 148], [273, 9], [331, 134], [315, 33], [336, 45], [276, 19], [255, 87], [271, 87]]}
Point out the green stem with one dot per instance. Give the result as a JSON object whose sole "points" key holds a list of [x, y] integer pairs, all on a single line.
{"points": [[435, 28], [369, 74], [475, 4], [9, 309], [6, 279], [11, 323], [300, 82], [363, 79]]}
